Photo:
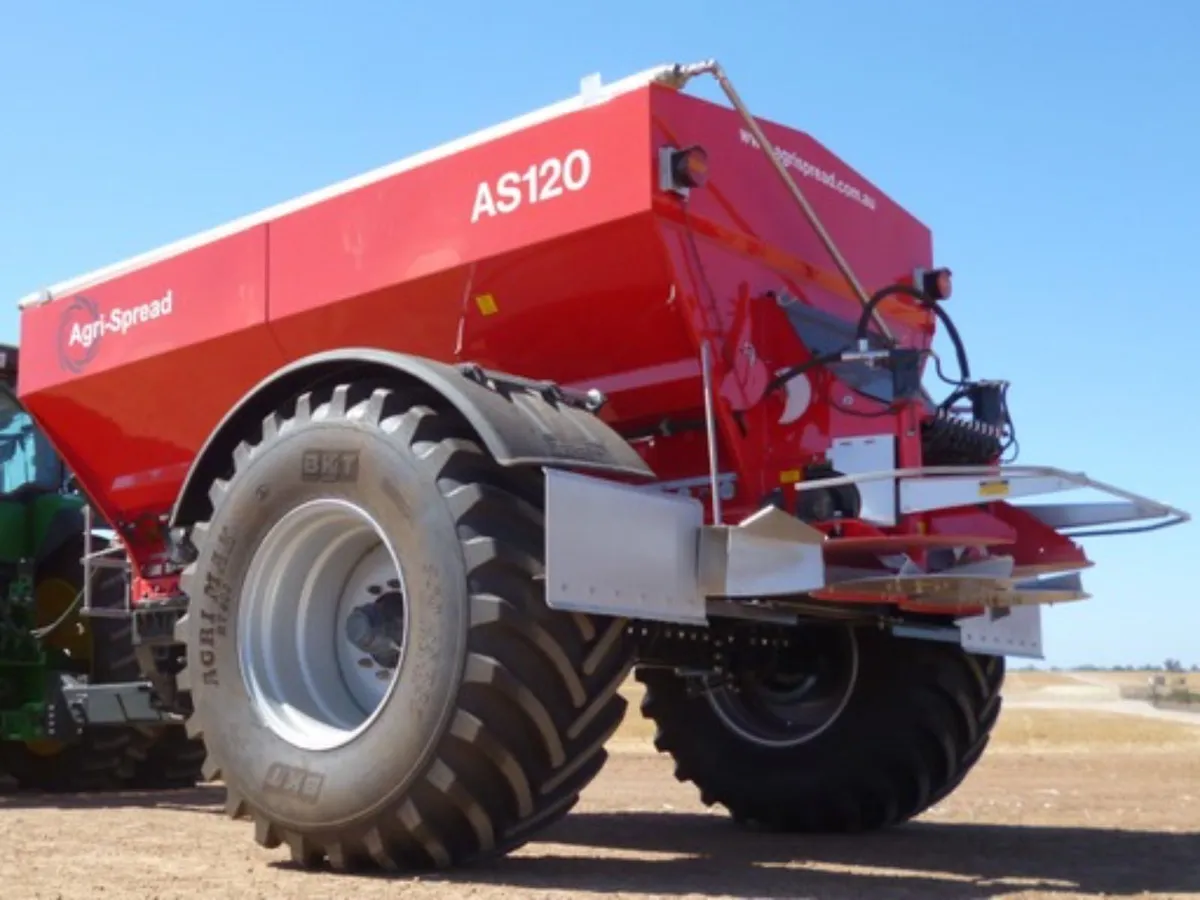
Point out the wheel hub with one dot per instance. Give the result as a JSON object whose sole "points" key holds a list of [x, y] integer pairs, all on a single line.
{"points": [[377, 628], [791, 701], [322, 625]]}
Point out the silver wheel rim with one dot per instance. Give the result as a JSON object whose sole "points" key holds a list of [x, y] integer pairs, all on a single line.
{"points": [[320, 591], [790, 709]]}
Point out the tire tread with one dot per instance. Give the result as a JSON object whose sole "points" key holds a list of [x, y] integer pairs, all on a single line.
{"points": [[539, 696], [906, 748]]}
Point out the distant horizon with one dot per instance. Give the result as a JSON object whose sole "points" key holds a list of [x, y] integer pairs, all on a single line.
{"points": [[1026, 665]]}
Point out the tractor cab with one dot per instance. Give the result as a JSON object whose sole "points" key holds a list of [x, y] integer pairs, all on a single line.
{"points": [[29, 465]]}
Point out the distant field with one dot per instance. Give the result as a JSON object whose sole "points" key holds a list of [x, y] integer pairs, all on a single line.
{"points": [[1138, 677], [1117, 678], [1019, 730], [1034, 680], [1131, 685], [1054, 730]]}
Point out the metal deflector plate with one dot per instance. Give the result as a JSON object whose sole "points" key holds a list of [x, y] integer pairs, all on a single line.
{"points": [[617, 550]]}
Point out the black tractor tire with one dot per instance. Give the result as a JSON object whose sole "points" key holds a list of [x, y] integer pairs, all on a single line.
{"points": [[501, 707], [173, 761], [917, 719], [103, 757]]}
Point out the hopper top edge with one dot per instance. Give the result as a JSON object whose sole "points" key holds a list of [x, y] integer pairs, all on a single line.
{"points": [[591, 93]]}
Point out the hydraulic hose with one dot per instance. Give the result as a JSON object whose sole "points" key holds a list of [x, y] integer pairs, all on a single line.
{"points": [[864, 321]]}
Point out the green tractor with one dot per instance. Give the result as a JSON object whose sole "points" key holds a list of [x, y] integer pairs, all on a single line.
{"points": [[75, 712]]}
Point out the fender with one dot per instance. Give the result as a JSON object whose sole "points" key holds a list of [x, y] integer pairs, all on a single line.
{"points": [[520, 421], [56, 519]]}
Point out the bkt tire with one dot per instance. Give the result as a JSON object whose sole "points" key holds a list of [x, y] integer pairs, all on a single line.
{"points": [[876, 732], [373, 668]]}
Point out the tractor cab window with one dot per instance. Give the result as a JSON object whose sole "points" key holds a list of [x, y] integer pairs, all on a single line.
{"points": [[28, 462]]}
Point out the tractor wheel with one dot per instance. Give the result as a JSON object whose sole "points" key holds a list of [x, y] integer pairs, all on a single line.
{"points": [[103, 757], [372, 665], [172, 762], [863, 732]]}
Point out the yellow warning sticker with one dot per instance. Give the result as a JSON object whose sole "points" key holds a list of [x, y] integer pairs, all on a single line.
{"points": [[998, 488], [789, 476], [487, 304]]}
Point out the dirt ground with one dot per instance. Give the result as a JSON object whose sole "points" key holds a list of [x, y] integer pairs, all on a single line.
{"points": [[1076, 801]]}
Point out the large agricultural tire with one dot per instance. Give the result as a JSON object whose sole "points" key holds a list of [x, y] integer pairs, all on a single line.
{"points": [[104, 757], [173, 761], [889, 743], [498, 710]]}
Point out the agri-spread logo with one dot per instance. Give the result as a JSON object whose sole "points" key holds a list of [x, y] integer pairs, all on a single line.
{"points": [[84, 326]]}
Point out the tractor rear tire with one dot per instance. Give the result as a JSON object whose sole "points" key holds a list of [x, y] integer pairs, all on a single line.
{"points": [[103, 757], [911, 723], [497, 710], [172, 762]]}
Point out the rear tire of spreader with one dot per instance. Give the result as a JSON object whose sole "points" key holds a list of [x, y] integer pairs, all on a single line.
{"points": [[915, 719], [497, 709]]}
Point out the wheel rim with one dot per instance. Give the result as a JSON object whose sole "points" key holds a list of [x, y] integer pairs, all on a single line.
{"points": [[781, 708], [322, 624]]}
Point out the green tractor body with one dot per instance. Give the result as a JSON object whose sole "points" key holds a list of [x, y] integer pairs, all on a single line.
{"points": [[38, 516], [75, 712]]}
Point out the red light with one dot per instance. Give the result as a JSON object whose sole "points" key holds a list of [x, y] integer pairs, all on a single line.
{"points": [[937, 284], [690, 167]]}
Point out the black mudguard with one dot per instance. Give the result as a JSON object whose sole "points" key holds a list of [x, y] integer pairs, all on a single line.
{"points": [[521, 422]]}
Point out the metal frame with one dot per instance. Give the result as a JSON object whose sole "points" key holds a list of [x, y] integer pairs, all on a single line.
{"points": [[952, 486], [124, 703], [710, 431], [869, 453], [111, 557], [647, 554]]}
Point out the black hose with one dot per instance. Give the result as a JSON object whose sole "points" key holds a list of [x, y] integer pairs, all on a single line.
{"points": [[860, 333], [40, 634], [864, 321]]}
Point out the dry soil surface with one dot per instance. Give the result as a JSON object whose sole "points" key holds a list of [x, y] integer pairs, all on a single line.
{"points": [[1067, 803]]}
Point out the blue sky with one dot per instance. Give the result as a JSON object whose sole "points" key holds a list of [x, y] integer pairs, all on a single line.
{"points": [[1051, 146]]}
